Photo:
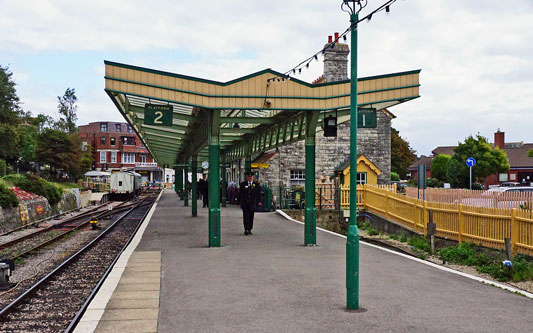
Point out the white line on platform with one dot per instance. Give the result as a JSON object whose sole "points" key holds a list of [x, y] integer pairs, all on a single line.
{"points": [[473, 277]]}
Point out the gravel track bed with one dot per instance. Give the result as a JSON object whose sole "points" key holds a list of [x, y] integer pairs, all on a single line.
{"points": [[53, 306]]}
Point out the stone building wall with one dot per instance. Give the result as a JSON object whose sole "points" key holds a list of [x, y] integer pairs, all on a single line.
{"points": [[374, 143]]}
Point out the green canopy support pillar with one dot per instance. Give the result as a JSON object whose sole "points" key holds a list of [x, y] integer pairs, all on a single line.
{"points": [[214, 178], [223, 186], [352, 237], [194, 185], [311, 119], [179, 182], [186, 186]]}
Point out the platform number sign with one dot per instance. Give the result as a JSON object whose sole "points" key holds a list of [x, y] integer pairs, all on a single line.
{"points": [[160, 115], [366, 118]]}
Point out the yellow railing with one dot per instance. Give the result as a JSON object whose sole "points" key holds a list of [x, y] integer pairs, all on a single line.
{"points": [[480, 225]]}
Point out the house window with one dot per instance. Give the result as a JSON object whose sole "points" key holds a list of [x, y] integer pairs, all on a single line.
{"points": [[128, 158], [112, 141], [117, 126], [297, 177], [142, 158], [113, 157], [129, 141], [102, 140], [361, 178], [103, 157], [103, 127], [130, 129]]}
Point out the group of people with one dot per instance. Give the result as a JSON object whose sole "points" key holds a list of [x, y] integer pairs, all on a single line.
{"points": [[248, 195]]}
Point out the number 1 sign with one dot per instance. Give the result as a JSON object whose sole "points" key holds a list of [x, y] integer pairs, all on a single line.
{"points": [[160, 115]]}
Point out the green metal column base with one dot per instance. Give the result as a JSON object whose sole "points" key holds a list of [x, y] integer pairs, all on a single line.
{"points": [[310, 226], [352, 268], [214, 227]]}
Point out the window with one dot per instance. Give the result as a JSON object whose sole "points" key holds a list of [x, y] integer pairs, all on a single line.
{"points": [[297, 177], [113, 157], [118, 128], [129, 141], [142, 158], [102, 140], [297, 174], [103, 157], [103, 127], [130, 129], [112, 141], [128, 158], [361, 178]]}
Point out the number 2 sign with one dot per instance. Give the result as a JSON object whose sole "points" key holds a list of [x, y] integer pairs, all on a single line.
{"points": [[160, 115]]}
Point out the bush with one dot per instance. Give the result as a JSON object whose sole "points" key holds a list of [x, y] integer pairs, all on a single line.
{"points": [[522, 270], [7, 197], [39, 186], [394, 176], [464, 254], [3, 168], [420, 243]]}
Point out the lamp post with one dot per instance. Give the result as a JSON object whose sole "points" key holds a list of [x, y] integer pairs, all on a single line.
{"points": [[353, 7]]}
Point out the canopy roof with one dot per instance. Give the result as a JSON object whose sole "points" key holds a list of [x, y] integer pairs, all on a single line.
{"points": [[97, 174], [255, 113]]}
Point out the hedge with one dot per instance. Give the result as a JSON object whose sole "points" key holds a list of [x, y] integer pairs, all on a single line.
{"points": [[7, 197]]}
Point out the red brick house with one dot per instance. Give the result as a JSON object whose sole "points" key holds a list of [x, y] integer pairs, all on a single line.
{"points": [[117, 146]]}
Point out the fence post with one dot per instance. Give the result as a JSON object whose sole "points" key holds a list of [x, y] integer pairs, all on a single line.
{"points": [[514, 230], [387, 204], [461, 222], [417, 217], [320, 198], [424, 213]]}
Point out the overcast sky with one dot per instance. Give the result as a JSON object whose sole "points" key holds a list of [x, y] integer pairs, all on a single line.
{"points": [[476, 56]]}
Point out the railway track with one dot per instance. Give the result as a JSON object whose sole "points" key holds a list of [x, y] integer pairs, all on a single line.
{"points": [[56, 302], [26, 244]]}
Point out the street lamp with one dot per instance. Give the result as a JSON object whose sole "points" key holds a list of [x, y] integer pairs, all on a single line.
{"points": [[353, 8]]}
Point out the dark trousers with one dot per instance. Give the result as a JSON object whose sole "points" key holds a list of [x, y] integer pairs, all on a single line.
{"points": [[248, 218], [206, 199]]}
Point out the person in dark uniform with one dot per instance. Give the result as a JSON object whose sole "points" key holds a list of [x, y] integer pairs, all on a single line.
{"points": [[249, 192], [203, 189]]}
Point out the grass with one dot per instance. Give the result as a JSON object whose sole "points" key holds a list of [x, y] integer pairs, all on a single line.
{"points": [[66, 186], [471, 255], [420, 244]]}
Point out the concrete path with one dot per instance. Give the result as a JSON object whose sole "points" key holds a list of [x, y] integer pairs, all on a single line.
{"points": [[269, 282]]}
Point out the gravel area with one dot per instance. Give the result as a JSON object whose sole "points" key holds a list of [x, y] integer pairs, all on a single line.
{"points": [[35, 267], [52, 221]]}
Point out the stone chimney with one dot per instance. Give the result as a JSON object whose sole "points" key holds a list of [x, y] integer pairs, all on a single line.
{"points": [[499, 139], [336, 60]]}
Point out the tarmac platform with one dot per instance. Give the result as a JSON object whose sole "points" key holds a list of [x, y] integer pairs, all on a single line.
{"points": [[269, 282]]}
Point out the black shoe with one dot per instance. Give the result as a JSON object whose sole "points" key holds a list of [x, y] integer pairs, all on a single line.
{"points": [[246, 232], [249, 232]]}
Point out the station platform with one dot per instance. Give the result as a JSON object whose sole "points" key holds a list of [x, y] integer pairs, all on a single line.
{"points": [[168, 280]]}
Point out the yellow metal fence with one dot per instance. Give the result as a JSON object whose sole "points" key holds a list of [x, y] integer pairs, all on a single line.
{"points": [[480, 225]]}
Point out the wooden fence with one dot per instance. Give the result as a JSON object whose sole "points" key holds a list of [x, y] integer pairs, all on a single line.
{"points": [[475, 198], [486, 226]]}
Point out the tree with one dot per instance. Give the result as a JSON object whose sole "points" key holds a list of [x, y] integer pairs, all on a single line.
{"points": [[530, 153], [488, 161], [402, 155], [67, 110], [439, 165], [60, 150], [10, 110]]}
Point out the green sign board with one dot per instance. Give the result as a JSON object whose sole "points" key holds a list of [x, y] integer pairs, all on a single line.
{"points": [[155, 114], [366, 118]]}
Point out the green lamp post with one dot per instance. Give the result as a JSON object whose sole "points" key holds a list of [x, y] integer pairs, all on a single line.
{"points": [[353, 8]]}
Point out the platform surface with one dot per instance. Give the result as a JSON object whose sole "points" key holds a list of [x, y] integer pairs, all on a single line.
{"points": [[270, 282]]}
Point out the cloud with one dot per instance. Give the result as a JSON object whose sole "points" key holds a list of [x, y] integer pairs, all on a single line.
{"points": [[475, 56]]}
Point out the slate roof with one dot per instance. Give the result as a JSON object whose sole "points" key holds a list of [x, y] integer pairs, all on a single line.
{"points": [[427, 160]]}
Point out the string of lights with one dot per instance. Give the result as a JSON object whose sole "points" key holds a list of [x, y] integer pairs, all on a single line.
{"points": [[307, 62]]}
